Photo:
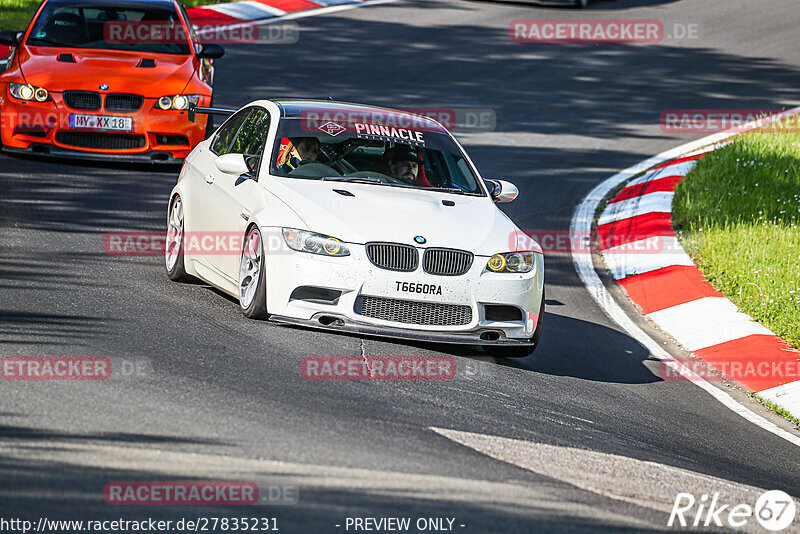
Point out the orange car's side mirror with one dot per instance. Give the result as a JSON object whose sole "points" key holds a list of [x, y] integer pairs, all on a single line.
{"points": [[9, 37]]}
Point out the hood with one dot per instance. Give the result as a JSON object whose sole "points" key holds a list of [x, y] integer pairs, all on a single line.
{"points": [[394, 214], [120, 70]]}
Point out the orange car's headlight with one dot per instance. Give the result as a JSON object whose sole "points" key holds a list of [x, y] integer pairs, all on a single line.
{"points": [[28, 92], [178, 102]]}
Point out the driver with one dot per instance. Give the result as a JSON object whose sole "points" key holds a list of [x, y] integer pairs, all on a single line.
{"points": [[307, 150], [404, 164]]}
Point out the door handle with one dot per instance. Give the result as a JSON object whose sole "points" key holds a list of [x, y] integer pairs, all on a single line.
{"points": [[209, 178]]}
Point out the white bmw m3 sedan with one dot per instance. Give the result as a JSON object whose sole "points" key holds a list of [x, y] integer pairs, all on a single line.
{"points": [[357, 219]]}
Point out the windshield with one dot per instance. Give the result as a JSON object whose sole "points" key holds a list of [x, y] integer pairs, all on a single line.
{"points": [[414, 157], [117, 26]]}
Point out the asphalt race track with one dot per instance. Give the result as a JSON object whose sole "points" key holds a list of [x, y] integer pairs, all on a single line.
{"points": [[494, 448]]}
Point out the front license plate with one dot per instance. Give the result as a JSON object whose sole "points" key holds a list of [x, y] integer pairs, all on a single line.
{"points": [[100, 122], [419, 289]]}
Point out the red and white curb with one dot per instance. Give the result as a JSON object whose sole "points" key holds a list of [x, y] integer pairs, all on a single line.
{"points": [[259, 11], [232, 13], [662, 280], [671, 291]]}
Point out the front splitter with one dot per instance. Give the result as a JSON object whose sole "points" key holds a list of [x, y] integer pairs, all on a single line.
{"points": [[337, 323]]}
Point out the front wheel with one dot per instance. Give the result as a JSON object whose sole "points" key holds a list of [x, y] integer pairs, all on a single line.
{"points": [[252, 278], [173, 249]]}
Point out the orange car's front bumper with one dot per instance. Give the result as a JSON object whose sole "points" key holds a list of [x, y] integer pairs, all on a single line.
{"points": [[157, 136]]}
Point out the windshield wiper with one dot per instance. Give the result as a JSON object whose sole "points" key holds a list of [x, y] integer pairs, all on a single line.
{"points": [[456, 190], [353, 179], [50, 42]]}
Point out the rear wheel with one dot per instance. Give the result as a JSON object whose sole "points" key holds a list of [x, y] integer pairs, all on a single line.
{"points": [[252, 283], [520, 351], [173, 249]]}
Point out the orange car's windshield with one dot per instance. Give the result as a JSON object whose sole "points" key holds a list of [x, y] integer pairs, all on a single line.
{"points": [[134, 26]]}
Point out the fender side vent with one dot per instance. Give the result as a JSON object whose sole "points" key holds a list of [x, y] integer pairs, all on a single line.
{"points": [[496, 312], [147, 63], [317, 295]]}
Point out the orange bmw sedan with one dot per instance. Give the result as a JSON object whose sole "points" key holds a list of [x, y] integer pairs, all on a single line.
{"points": [[102, 79]]}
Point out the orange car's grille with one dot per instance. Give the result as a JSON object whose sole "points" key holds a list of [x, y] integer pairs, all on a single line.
{"points": [[82, 100], [122, 103], [99, 140]]}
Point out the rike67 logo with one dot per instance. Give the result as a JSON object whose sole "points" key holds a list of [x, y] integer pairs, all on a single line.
{"points": [[774, 510]]}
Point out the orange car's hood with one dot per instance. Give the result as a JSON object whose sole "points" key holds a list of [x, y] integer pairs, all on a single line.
{"points": [[119, 70]]}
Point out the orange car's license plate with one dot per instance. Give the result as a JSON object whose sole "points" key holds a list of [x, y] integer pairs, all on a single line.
{"points": [[100, 122]]}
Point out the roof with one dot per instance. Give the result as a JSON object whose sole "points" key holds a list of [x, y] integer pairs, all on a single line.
{"points": [[297, 108], [113, 3]]}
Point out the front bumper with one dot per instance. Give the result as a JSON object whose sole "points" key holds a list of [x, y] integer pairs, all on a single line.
{"points": [[354, 277], [42, 149], [335, 323], [43, 128]]}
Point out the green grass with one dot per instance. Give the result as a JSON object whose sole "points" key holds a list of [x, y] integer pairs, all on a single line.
{"points": [[783, 412], [738, 216], [16, 14]]}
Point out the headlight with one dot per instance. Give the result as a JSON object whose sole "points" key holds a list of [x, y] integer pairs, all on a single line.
{"points": [[303, 241], [512, 262], [177, 101], [28, 92]]}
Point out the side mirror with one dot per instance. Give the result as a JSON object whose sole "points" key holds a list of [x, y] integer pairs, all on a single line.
{"points": [[10, 37], [252, 164], [232, 164], [502, 191], [210, 51]]}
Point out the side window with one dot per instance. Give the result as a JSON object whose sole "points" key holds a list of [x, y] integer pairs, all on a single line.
{"points": [[227, 132], [253, 134], [192, 34]]}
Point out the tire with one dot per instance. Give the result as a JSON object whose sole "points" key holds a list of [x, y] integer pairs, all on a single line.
{"points": [[522, 351], [252, 276], [173, 248]]}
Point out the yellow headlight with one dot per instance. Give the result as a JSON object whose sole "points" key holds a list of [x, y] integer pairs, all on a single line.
{"points": [[40, 94], [497, 263], [332, 246]]}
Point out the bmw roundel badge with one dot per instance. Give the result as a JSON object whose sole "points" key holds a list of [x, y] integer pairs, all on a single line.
{"points": [[104, 87], [421, 240]]}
